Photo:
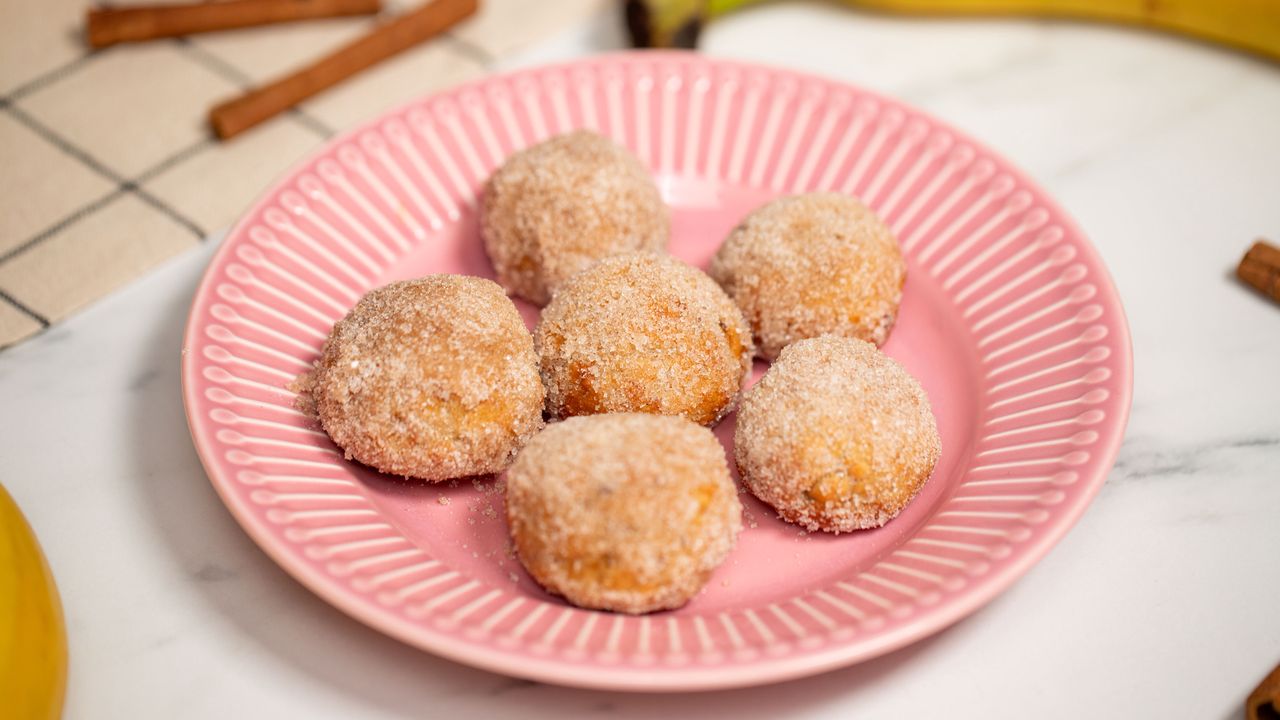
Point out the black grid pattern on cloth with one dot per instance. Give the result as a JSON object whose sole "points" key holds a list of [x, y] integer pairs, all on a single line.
{"points": [[133, 185], [123, 185]]}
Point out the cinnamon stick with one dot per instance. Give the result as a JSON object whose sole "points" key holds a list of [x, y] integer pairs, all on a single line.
{"points": [[1260, 268], [1264, 701], [235, 116], [108, 26]]}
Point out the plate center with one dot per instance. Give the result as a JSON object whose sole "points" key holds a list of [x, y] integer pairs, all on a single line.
{"points": [[462, 523]]}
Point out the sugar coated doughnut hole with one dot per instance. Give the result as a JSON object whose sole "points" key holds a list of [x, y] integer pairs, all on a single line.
{"points": [[810, 265], [624, 512], [554, 208], [836, 436], [643, 333], [433, 378]]}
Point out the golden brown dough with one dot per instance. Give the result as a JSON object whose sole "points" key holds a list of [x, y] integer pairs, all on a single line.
{"points": [[809, 265], [624, 512], [643, 333], [554, 208], [433, 378], [836, 436]]}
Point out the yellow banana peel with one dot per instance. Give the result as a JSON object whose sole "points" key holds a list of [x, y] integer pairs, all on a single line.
{"points": [[33, 641], [1250, 25]]}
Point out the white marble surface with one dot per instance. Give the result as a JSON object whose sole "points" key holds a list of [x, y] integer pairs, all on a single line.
{"points": [[1163, 602]]}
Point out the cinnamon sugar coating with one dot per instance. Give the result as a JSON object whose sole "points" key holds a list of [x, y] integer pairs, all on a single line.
{"points": [[554, 208], [836, 436], [808, 265], [624, 512], [433, 378], [643, 333]]}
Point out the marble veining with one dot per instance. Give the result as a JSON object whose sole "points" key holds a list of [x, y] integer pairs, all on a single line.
{"points": [[1145, 459]]}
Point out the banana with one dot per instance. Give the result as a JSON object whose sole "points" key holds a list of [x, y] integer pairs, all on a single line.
{"points": [[1249, 25], [33, 640]]}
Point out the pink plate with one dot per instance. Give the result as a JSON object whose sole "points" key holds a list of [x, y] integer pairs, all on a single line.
{"points": [[1009, 320]]}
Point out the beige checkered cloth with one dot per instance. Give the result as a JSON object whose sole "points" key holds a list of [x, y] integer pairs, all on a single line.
{"points": [[107, 167]]}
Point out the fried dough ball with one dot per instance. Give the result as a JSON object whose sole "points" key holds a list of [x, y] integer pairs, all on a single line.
{"points": [[625, 512], [555, 208], [643, 333], [809, 265], [433, 378], [836, 436]]}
